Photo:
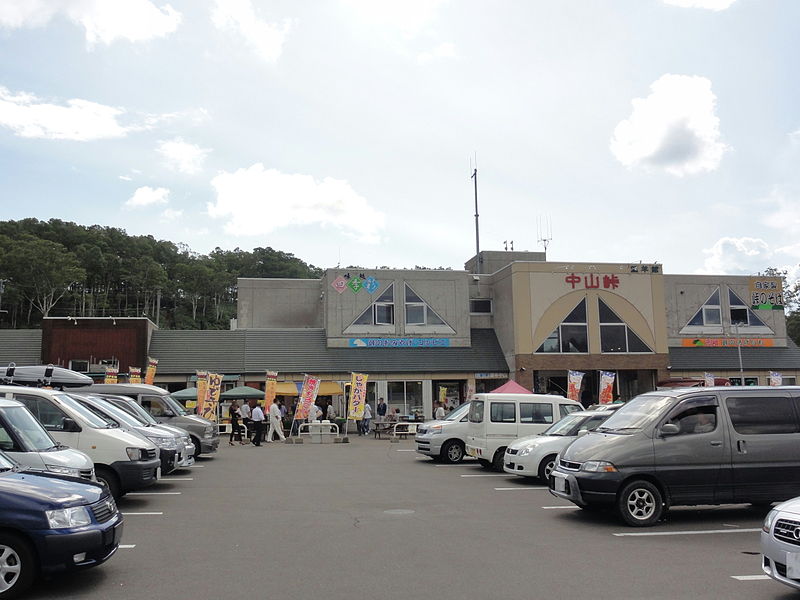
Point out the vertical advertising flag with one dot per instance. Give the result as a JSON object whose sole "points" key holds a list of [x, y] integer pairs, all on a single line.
{"points": [[307, 397], [775, 378], [574, 379], [442, 395], [150, 374], [358, 396], [270, 388], [708, 379], [202, 391], [214, 388], [134, 375], [606, 387], [111, 375]]}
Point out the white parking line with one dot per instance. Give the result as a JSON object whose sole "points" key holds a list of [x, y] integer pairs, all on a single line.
{"points": [[698, 532], [519, 488], [125, 514], [750, 577], [486, 475], [406, 450], [126, 546], [465, 464], [565, 507], [153, 494], [168, 478]]}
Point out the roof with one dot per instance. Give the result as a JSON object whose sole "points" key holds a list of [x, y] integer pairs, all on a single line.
{"points": [[511, 387], [306, 351], [708, 359], [21, 346]]}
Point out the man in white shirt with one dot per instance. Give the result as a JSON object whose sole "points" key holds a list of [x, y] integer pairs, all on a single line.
{"points": [[275, 424], [257, 416], [244, 410], [367, 418], [440, 414]]}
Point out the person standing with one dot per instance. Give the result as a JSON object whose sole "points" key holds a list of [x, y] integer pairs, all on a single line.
{"points": [[381, 410], [245, 412], [367, 418], [440, 413], [257, 417], [275, 422], [331, 412], [234, 414]]}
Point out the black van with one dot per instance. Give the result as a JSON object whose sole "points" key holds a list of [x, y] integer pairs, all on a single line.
{"points": [[687, 446]]}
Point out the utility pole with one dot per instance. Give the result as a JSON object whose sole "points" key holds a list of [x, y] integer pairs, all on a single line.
{"points": [[477, 231]]}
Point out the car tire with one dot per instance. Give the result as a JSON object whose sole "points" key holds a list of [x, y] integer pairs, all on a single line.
{"points": [[17, 565], [640, 504], [497, 460], [485, 463], [197, 448], [546, 467], [109, 479], [452, 452]]}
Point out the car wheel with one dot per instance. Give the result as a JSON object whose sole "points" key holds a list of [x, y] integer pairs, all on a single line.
{"points": [[497, 461], [484, 463], [546, 467], [196, 443], [109, 479], [452, 452], [640, 504], [17, 565]]}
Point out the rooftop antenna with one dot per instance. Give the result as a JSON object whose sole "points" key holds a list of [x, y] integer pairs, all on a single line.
{"points": [[544, 231], [474, 177]]}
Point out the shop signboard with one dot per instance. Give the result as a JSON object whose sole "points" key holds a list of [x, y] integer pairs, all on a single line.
{"points": [[727, 342], [134, 375], [398, 342], [111, 375], [766, 293], [708, 379], [775, 379], [339, 284]]}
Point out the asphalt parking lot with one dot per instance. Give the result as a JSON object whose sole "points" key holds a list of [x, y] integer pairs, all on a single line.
{"points": [[374, 519]]}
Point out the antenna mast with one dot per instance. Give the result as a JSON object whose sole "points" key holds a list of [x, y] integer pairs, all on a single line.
{"points": [[544, 231], [474, 177]]}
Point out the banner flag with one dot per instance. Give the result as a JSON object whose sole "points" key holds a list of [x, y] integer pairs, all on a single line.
{"points": [[708, 379], [270, 388], [358, 396], [775, 378], [111, 375], [442, 395], [214, 388], [202, 391], [574, 379], [307, 397], [150, 374], [607, 387], [134, 375]]}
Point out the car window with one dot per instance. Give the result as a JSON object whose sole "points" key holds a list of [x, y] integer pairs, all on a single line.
{"points": [[565, 409], [6, 442], [762, 414], [535, 412], [29, 431], [695, 419], [458, 414], [476, 411], [502, 412], [153, 405], [48, 414]]}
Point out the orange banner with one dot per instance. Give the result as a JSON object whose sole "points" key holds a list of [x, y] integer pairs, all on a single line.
{"points": [[214, 388], [307, 397], [202, 390], [134, 375], [270, 388], [150, 375]]}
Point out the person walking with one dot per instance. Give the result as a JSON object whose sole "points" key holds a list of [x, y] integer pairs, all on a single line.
{"points": [[257, 417], [381, 410], [367, 418], [275, 422], [234, 414], [245, 410], [440, 413], [331, 412]]}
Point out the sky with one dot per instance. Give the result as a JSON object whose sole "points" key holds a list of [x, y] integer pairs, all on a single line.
{"points": [[345, 131]]}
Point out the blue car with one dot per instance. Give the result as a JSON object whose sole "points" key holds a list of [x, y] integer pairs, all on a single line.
{"points": [[49, 524]]}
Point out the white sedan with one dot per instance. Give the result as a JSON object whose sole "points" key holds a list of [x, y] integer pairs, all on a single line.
{"points": [[535, 456]]}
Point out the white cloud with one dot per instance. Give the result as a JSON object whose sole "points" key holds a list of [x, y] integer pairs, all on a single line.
{"points": [[239, 16], [674, 129], [125, 177], [147, 196], [410, 17], [709, 4], [255, 200], [737, 256], [171, 214], [103, 20], [781, 211], [182, 156], [443, 50]]}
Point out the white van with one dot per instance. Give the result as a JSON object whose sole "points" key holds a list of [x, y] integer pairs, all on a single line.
{"points": [[495, 420], [122, 461], [24, 439]]}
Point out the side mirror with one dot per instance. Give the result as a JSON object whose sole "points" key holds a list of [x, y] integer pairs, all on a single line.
{"points": [[668, 429], [70, 426], [582, 432]]}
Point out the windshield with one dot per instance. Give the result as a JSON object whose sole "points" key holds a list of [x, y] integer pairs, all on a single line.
{"points": [[133, 407], [476, 411], [91, 419], [176, 406], [6, 464], [109, 411], [637, 413], [31, 434], [459, 413], [566, 426]]}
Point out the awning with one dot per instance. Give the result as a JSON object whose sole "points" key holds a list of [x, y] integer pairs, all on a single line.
{"points": [[329, 388], [286, 388]]}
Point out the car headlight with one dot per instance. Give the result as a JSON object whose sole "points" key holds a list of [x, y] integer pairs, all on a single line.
{"points": [[136, 453], [769, 520], [434, 429], [598, 466], [167, 443], [68, 517], [526, 450], [62, 470], [209, 432]]}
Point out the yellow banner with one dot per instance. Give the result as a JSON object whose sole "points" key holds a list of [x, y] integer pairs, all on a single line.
{"points": [[202, 390], [111, 375], [214, 388], [442, 395], [270, 388], [134, 375], [150, 375], [358, 396]]}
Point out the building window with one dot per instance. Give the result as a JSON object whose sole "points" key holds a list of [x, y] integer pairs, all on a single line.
{"points": [[417, 310], [710, 313], [615, 335], [404, 396], [81, 366], [747, 380], [571, 335], [480, 306], [741, 315], [381, 312]]}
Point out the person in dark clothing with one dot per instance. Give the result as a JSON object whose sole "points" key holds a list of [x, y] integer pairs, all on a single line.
{"points": [[381, 408], [233, 413]]}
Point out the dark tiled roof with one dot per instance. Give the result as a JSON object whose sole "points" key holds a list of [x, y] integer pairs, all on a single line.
{"points": [[704, 359], [21, 346], [305, 351]]}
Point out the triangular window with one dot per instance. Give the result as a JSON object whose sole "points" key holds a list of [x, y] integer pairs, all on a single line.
{"points": [[710, 314], [615, 335], [419, 312], [741, 315], [571, 335], [380, 312]]}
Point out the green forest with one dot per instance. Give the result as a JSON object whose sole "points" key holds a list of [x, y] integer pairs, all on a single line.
{"points": [[57, 269]]}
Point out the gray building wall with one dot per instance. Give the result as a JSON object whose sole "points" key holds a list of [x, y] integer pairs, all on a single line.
{"points": [[492, 261], [503, 314], [279, 303]]}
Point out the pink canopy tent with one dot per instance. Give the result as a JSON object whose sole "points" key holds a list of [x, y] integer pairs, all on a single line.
{"points": [[511, 387]]}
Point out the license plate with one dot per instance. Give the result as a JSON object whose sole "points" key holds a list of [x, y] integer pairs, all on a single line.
{"points": [[560, 484], [793, 565]]}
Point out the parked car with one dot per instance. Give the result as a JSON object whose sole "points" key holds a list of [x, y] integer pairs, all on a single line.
{"points": [[50, 523], [445, 439], [780, 543], [166, 410], [23, 438], [496, 420], [687, 446], [170, 445], [535, 456], [122, 461]]}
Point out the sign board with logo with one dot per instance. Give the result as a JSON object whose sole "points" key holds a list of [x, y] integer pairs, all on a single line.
{"points": [[398, 343]]}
